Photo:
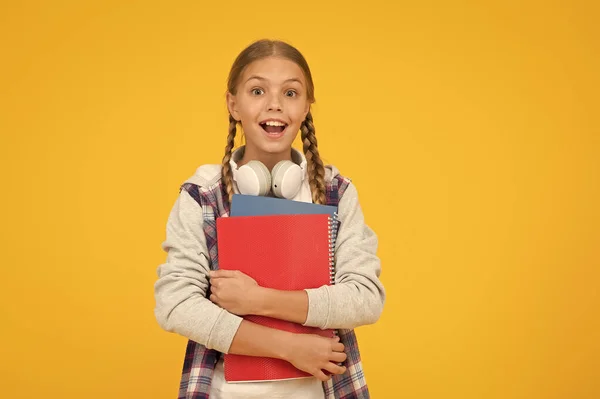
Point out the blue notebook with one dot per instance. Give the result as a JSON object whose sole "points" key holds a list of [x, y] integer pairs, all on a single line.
{"points": [[252, 205]]}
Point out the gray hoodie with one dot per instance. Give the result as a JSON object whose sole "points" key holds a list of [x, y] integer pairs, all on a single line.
{"points": [[356, 299]]}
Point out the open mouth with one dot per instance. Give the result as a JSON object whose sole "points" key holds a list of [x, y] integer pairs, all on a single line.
{"points": [[273, 127]]}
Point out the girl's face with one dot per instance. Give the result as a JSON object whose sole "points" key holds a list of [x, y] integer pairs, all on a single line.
{"points": [[271, 104]]}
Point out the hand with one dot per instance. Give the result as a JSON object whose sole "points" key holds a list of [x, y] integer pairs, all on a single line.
{"points": [[235, 291], [313, 353]]}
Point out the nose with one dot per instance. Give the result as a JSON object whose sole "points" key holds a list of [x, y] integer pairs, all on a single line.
{"points": [[274, 103]]}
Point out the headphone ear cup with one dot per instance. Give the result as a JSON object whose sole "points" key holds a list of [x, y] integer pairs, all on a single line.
{"points": [[254, 178], [287, 179]]}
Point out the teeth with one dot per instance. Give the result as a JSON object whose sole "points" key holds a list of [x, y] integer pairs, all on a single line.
{"points": [[274, 123]]}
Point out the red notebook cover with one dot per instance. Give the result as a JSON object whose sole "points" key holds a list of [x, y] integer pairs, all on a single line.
{"points": [[284, 252]]}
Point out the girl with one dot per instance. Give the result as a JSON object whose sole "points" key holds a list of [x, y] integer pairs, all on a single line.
{"points": [[270, 91]]}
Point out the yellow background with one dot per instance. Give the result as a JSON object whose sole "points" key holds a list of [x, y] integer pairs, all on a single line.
{"points": [[470, 130]]}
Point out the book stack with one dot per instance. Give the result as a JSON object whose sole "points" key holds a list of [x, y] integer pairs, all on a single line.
{"points": [[284, 245]]}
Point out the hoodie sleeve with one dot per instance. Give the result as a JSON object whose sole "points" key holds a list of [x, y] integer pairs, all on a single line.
{"points": [[357, 297], [180, 291]]}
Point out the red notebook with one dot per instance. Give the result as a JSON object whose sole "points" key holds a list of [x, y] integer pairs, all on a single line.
{"points": [[284, 252]]}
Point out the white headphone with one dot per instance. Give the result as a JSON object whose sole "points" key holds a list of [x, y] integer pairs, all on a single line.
{"points": [[254, 178]]}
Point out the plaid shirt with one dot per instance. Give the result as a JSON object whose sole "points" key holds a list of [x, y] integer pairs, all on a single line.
{"points": [[199, 362]]}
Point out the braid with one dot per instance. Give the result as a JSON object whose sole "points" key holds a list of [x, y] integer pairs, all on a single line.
{"points": [[227, 173], [316, 170]]}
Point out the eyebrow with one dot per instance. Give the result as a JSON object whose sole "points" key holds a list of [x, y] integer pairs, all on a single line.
{"points": [[265, 79]]}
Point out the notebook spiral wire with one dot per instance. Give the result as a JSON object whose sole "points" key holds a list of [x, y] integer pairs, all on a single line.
{"points": [[333, 226]]}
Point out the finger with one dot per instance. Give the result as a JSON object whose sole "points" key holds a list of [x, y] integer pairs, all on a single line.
{"points": [[338, 347], [321, 375], [338, 357], [223, 273], [334, 368], [213, 298]]}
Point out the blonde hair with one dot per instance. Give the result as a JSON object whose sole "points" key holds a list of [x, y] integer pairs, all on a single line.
{"points": [[256, 51]]}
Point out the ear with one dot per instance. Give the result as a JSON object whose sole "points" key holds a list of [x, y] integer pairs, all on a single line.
{"points": [[232, 106], [306, 109]]}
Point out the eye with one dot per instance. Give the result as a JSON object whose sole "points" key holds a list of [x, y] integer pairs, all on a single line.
{"points": [[291, 93], [257, 91]]}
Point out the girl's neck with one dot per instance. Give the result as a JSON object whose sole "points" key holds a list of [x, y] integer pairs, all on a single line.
{"points": [[269, 160]]}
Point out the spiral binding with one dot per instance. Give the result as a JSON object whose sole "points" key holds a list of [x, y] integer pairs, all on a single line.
{"points": [[332, 225]]}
